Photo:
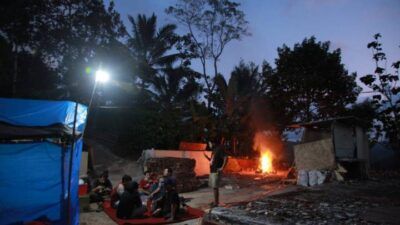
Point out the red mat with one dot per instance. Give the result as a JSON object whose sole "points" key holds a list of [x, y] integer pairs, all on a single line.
{"points": [[191, 213]]}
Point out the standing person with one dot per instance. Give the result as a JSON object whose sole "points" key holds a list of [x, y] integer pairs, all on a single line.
{"points": [[217, 163]]}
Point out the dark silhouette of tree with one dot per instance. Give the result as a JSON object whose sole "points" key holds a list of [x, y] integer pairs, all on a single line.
{"points": [[387, 93], [366, 111], [175, 88], [235, 102], [211, 25], [64, 34], [310, 82], [167, 86], [150, 47], [20, 23], [32, 73]]}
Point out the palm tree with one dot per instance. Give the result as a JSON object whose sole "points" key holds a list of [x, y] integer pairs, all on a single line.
{"points": [[150, 47], [234, 101], [175, 88]]}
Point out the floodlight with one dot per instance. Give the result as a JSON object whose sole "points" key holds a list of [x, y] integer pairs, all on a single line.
{"points": [[102, 76]]}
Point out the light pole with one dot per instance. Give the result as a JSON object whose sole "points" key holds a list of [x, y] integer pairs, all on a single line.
{"points": [[102, 76]]}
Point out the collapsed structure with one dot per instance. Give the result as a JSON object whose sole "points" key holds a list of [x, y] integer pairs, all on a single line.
{"points": [[331, 144]]}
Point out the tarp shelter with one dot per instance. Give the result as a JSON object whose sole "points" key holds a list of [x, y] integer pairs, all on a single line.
{"points": [[40, 151]]}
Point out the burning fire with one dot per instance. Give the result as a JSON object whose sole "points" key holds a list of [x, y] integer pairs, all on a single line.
{"points": [[266, 145], [266, 161]]}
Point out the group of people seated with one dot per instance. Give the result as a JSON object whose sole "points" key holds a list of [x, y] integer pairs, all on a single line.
{"points": [[157, 195]]}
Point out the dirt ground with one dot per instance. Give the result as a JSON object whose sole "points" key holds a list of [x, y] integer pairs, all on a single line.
{"points": [[234, 189], [374, 201], [254, 199]]}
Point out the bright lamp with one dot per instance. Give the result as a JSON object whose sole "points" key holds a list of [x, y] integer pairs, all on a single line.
{"points": [[102, 76]]}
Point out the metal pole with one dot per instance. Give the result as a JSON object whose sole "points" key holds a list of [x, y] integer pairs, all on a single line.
{"points": [[70, 164], [91, 96]]}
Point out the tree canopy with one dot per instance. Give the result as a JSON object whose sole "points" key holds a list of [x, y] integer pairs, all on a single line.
{"points": [[51, 49], [310, 82]]}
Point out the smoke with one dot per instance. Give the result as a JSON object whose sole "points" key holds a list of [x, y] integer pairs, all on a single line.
{"points": [[266, 135]]}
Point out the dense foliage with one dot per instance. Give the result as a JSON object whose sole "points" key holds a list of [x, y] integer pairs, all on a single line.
{"points": [[51, 49], [386, 96]]}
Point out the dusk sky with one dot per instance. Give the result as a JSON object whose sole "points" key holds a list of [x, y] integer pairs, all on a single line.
{"points": [[348, 24]]}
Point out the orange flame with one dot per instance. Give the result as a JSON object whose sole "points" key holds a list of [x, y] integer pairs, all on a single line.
{"points": [[266, 161]]}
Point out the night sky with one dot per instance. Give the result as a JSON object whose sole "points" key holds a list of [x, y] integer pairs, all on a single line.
{"points": [[348, 24]]}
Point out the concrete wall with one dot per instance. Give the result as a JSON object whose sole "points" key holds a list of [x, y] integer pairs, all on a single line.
{"points": [[362, 145], [315, 134], [344, 141], [316, 155], [84, 164]]}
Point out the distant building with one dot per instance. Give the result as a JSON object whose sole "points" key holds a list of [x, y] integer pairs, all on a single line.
{"points": [[328, 142]]}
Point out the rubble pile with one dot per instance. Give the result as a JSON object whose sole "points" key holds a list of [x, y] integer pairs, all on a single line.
{"points": [[345, 203], [302, 211], [183, 171]]}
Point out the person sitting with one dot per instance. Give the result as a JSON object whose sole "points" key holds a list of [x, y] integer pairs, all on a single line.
{"points": [[119, 190], [159, 193], [146, 183], [101, 188], [171, 201], [130, 206]]}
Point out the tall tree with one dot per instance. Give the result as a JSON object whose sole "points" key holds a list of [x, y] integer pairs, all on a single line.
{"points": [[64, 34], [176, 88], [387, 93], [235, 101], [310, 82], [19, 27], [211, 25], [151, 47]]}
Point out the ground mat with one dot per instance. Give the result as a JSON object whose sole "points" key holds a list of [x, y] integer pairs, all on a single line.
{"points": [[191, 213]]}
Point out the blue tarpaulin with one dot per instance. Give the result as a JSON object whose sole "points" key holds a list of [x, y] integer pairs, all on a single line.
{"points": [[21, 112], [35, 179]]}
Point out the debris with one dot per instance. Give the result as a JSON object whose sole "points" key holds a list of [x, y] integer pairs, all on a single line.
{"points": [[322, 175], [324, 204], [232, 186], [338, 176], [312, 178], [290, 174], [341, 169], [351, 215], [302, 178]]}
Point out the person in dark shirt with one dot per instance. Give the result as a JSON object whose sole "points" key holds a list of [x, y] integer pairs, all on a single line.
{"points": [[158, 194], [119, 190], [171, 201], [130, 205], [102, 187], [217, 163]]}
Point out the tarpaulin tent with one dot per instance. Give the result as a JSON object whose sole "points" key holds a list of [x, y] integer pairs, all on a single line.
{"points": [[40, 151]]}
